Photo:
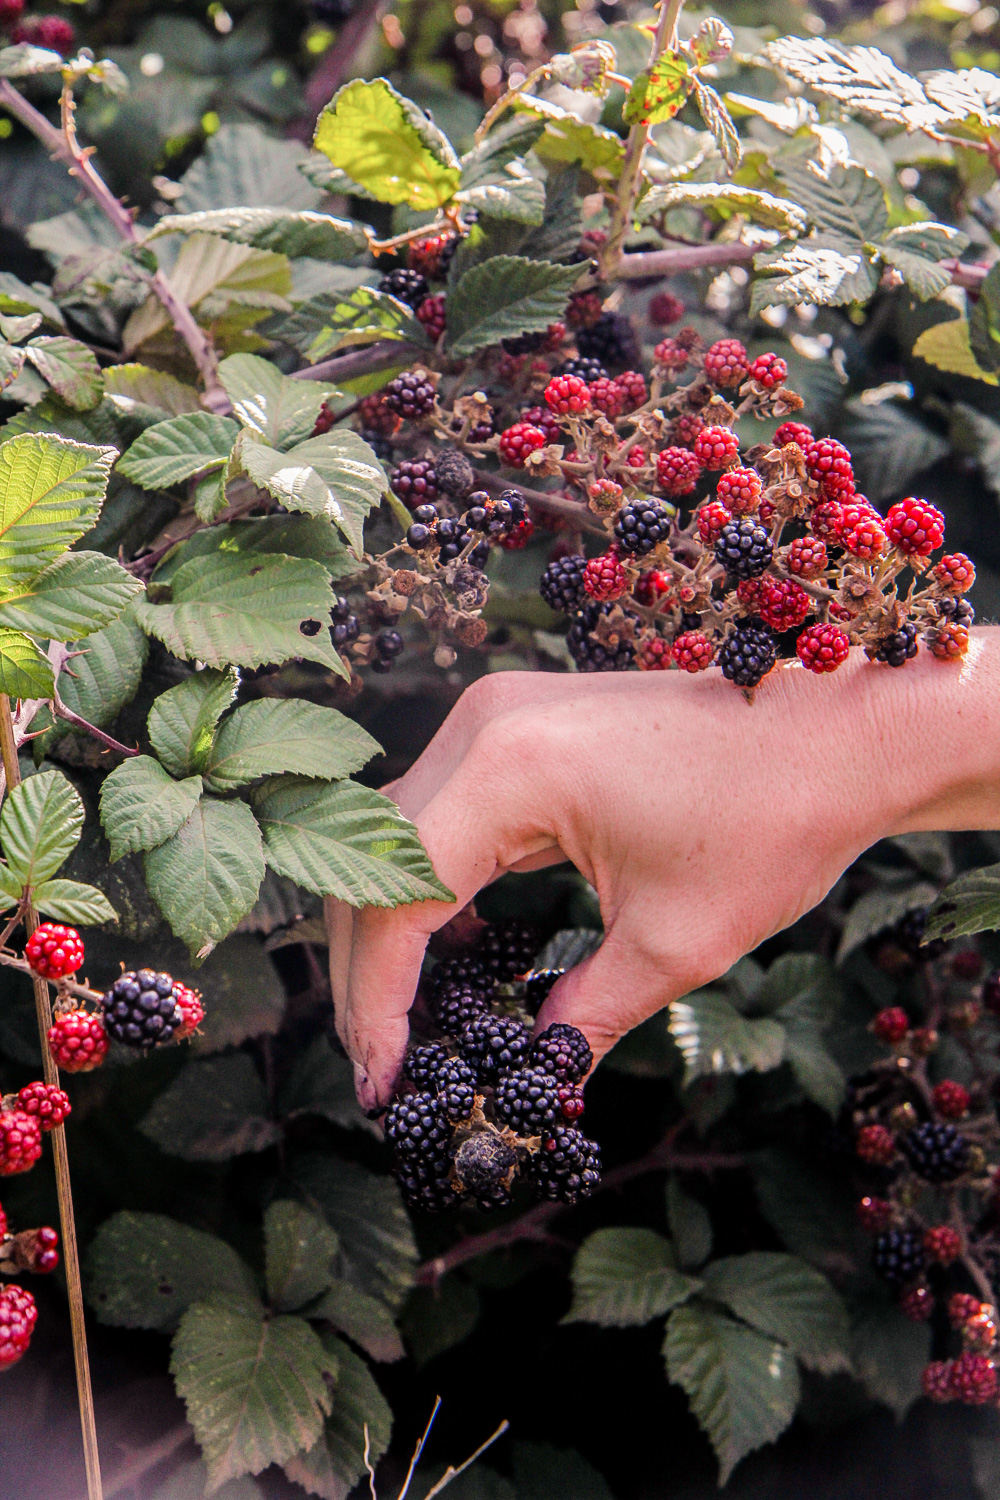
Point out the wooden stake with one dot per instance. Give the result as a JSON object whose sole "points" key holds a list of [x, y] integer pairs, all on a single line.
{"points": [[71, 1256]]}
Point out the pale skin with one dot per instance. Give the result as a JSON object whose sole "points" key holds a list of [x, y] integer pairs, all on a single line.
{"points": [[705, 824]]}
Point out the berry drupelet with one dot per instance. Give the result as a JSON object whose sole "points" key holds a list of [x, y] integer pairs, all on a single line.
{"points": [[568, 1167], [345, 627], [140, 1009]]}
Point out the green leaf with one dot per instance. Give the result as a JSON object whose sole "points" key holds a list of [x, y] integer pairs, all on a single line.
{"points": [[145, 1270], [977, 436], [50, 493], [25, 671], [299, 1249], [77, 595], [247, 996], [215, 1109], [503, 297], [970, 904], [280, 410], [890, 1352], [254, 1387], [511, 192], [947, 347], [40, 826], [812, 1212], [142, 806], [719, 121], [333, 1465], [182, 721], [189, 1482], [321, 1083], [802, 992], [724, 199], [104, 676], [567, 139], [388, 145], [623, 1278], [175, 449], [344, 840], [783, 1296], [378, 1252], [147, 387], [320, 236], [846, 202], [690, 1225], [245, 165], [244, 610], [72, 901], [206, 877], [743, 1388], [984, 324], [70, 368], [861, 77], [215, 277], [331, 322], [439, 1317], [274, 735], [336, 475], [889, 447], [823, 273], [363, 1319], [294, 536], [878, 909], [714, 1038], [660, 92]]}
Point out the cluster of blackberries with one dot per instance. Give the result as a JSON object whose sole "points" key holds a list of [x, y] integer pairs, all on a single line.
{"points": [[345, 627], [494, 521], [486, 1104]]}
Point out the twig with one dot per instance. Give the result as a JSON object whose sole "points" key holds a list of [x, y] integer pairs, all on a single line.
{"points": [[71, 1256], [651, 263], [418, 1450], [559, 504], [108, 741], [452, 1473], [335, 66], [366, 1460], [361, 361], [66, 986], [148, 1458]]}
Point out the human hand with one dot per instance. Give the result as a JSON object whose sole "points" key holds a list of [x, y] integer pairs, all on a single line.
{"points": [[705, 824]]}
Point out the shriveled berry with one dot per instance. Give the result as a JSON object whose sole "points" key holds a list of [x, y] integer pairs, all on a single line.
{"points": [[951, 1099], [793, 432], [53, 950], [18, 1316], [806, 557], [943, 1244], [769, 370], [955, 573], [711, 519], [693, 651], [739, 490], [567, 395], [915, 526], [604, 577], [716, 447], [20, 1141], [823, 648], [78, 1041], [828, 463], [677, 471], [46, 1101], [665, 308], [891, 1024], [727, 363], [875, 1145]]}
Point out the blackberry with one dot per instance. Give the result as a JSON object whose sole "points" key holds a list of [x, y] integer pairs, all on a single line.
{"points": [[898, 1255], [455, 1084], [641, 525], [744, 548], [525, 343], [484, 1161], [467, 969], [748, 654], [537, 987], [346, 626], [936, 1152], [455, 474], [958, 610], [406, 285], [568, 1166], [507, 949], [908, 933], [456, 1005], [494, 1044], [564, 1052], [593, 655], [410, 395], [415, 482], [419, 536], [561, 585], [417, 1126], [587, 369], [388, 645], [431, 1192], [424, 1063], [140, 1009], [611, 339], [528, 1100], [506, 513], [899, 648]]}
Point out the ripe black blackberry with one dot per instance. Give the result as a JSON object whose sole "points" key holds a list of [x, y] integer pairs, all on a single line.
{"points": [[537, 987], [641, 525], [406, 285], [897, 649], [431, 1192], [467, 968], [346, 626], [564, 1052], [527, 1100], [748, 653], [410, 395], [423, 1064], [936, 1152], [587, 369], [140, 1009], [611, 339], [455, 1083], [592, 655], [456, 1004], [453, 538], [388, 645], [455, 474], [909, 931], [415, 482], [744, 547], [568, 1167], [506, 949], [524, 343], [960, 611], [898, 1255], [494, 1044], [506, 513], [561, 585], [417, 1126]]}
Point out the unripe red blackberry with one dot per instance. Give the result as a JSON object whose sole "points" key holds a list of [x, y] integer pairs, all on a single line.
{"points": [[677, 471], [376, 415], [636, 458], [18, 1316], [410, 395], [716, 447], [874, 1214], [527, 1100], [545, 420], [685, 428], [793, 432], [432, 314], [604, 577], [568, 1167], [492, 1045], [652, 587], [875, 1145], [140, 1009], [828, 463], [191, 1009], [607, 397], [654, 655], [806, 557], [915, 527], [891, 1024], [567, 395], [782, 604], [583, 308], [431, 256], [823, 648], [50, 32], [974, 1379], [935, 1380], [665, 308], [951, 1099], [561, 585], [641, 525], [949, 641], [671, 356], [961, 1307], [955, 573], [769, 370], [519, 537], [711, 520], [744, 548], [10, 11], [865, 539], [693, 651], [739, 490], [517, 442], [942, 1244], [46, 1101], [20, 1142], [633, 388], [917, 1303], [563, 1051], [78, 1041], [748, 653], [827, 520], [406, 285], [727, 362], [900, 647], [53, 950]]}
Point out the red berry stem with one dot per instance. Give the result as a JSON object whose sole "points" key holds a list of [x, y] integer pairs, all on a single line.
{"points": [[64, 1190]]}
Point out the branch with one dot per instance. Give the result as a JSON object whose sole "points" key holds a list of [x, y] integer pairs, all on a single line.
{"points": [[533, 1224], [144, 1459], [558, 504], [361, 361], [62, 712], [650, 263], [336, 65]]}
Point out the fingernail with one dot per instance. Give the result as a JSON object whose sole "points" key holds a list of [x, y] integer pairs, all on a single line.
{"points": [[365, 1090]]}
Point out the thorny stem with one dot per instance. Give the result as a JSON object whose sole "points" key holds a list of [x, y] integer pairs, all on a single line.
{"points": [[108, 741], [71, 1256], [452, 1473]]}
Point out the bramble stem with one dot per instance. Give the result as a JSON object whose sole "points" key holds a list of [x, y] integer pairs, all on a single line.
{"points": [[71, 1256], [62, 712]]}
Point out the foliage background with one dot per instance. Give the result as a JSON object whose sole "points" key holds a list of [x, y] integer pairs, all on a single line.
{"points": [[591, 1412]]}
